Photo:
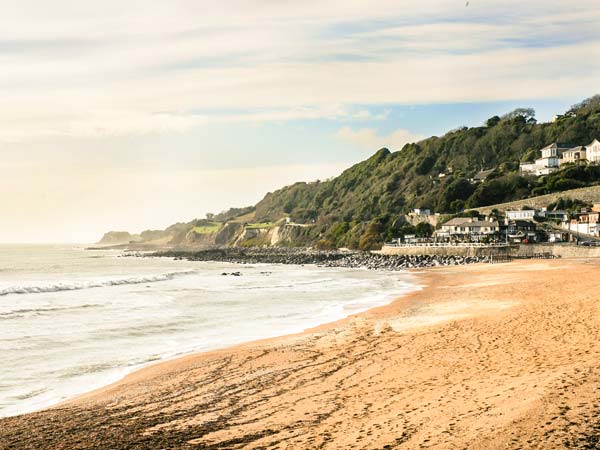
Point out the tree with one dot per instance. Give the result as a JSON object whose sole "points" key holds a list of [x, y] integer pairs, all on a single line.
{"points": [[585, 106], [459, 189], [407, 228], [304, 215], [424, 229], [288, 207], [526, 113], [457, 206], [530, 156], [425, 165], [492, 121], [495, 214], [371, 239]]}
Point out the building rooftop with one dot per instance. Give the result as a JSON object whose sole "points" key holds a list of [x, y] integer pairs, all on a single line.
{"points": [[468, 221], [558, 145], [521, 223], [483, 174]]}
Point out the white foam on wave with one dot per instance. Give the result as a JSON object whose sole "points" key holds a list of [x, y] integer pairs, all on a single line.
{"points": [[45, 310], [89, 284]]}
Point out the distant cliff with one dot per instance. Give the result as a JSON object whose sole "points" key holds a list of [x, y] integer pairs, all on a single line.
{"points": [[118, 237]]}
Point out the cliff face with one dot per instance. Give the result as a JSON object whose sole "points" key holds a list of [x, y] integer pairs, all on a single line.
{"points": [[292, 235], [237, 234], [228, 233], [232, 234]]}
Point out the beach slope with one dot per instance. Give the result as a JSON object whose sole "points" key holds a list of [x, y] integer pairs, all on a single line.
{"points": [[484, 357]]}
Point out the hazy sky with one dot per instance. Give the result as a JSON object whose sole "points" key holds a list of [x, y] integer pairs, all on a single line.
{"points": [[137, 114]]}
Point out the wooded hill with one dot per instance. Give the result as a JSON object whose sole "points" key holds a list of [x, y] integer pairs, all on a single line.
{"points": [[361, 207], [365, 205]]}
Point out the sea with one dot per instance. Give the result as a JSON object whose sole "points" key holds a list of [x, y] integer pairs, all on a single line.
{"points": [[73, 320]]}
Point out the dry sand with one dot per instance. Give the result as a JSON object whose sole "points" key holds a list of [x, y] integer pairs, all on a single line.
{"points": [[485, 357]]}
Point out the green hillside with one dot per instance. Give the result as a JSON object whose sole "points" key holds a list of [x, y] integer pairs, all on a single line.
{"points": [[361, 207], [366, 204]]}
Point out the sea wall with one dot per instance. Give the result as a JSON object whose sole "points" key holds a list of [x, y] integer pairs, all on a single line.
{"points": [[563, 250], [450, 250], [557, 250]]}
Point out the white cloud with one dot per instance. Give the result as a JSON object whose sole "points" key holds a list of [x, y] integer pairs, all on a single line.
{"points": [[107, 71], [138, 67], [365, 114], [369, 139]]}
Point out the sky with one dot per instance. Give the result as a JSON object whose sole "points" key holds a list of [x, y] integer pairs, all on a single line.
{"points": [[133, 115]]}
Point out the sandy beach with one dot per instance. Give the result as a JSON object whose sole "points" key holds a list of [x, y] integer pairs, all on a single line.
{"points": [[484, 357]]}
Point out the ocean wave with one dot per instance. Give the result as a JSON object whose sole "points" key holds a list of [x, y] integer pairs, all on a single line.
{"points": [[30, 394], [294, 284], [28, 311], [57, 287], [85, 369]]}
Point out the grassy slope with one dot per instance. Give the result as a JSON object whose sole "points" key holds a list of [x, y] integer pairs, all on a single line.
{"points": [[208, 228]]}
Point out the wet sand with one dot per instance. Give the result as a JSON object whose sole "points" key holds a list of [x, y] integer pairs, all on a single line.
{"points": [[484, 357]]}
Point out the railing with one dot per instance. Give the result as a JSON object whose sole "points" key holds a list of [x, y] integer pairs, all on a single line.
{"points": [[544, 255], [446, 244], [495, 259]]}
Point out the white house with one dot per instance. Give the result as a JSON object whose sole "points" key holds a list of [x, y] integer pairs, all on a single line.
{"points": [[553, 150], [542, 166], [421, 212], [555, 236], [573, 155], [526, 214], [584, 223], [554, 215], [549, 161], [593, 151], [468, 226]]}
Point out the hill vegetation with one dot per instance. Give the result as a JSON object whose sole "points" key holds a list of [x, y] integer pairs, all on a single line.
{"points": [[361, 207], [366, 204]]}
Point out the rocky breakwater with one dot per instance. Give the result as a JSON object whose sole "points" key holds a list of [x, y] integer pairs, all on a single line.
{"points": [[385, 262], [323, 258]]}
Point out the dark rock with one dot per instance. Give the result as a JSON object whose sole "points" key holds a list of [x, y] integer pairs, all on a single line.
{"points": [[302, 256]]}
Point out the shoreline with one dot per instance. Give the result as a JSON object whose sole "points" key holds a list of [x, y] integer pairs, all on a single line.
{"points": [[395, 302], [125, 371], [307, 390], [403, 298]]}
